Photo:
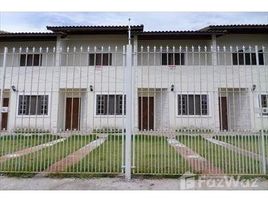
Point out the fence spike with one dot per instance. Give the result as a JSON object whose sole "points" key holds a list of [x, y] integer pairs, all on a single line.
{"points": [[167, 49]]}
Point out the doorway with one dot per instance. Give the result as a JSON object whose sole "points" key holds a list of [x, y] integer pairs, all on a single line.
{"points": [[5, 114], [72, 119], [146, 113], [223, 113]]}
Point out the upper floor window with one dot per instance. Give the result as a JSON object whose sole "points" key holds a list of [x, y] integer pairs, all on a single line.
{"points": [[110, 104], [33, 105], [102, 59], [245, 58], [30, 59], [173, 59], [264, 104], [192, 104]]}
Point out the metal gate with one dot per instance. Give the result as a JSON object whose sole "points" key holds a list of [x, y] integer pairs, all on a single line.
{"points": [[136, 110]]}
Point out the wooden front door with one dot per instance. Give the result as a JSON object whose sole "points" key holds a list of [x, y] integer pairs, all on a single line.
{"points": [[223, 113], [146, 113], [5, 115], [72, 113]]}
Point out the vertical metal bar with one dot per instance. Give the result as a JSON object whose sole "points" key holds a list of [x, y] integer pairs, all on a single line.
{"points": [[3, 83], [123, 113], [128, 92], [3, 77]]}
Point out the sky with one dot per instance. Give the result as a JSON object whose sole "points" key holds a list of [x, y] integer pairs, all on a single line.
{"points": [[162, 21]]}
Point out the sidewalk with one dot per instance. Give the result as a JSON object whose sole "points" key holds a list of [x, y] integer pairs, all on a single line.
{"points": [[42, 183]]}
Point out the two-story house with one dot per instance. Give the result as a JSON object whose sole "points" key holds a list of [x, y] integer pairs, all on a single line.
{"points": [[72, 78]]}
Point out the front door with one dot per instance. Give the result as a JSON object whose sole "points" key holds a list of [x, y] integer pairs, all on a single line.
{"points": [[146, 113], [72, 113], [5, 115], [223, 113]]}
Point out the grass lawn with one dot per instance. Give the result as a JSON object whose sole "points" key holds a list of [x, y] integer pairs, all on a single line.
{"points": [[107, 158], [9, 144], [251, 143], [40, 160], [152, 155], [229, 161]]}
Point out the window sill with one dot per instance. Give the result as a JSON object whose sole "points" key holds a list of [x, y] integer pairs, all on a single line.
{"points": [[33, 116], [193, 116], [109, 116], [262, 116]]}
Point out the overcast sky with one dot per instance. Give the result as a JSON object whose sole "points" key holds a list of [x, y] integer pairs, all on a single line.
{"points": [[37, 21]]}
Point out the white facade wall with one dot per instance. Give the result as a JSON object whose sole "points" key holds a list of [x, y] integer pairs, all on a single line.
{"points": [[67, 74]]}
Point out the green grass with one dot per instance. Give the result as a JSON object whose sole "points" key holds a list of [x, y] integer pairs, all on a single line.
{"points": [[107, 158], [250, 143], [153, 155], [229, 161], [13, 143], [40, 160]]}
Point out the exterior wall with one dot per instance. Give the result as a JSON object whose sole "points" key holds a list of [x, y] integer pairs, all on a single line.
{"points": [[239, 111], [91, 44], [63, 70]]}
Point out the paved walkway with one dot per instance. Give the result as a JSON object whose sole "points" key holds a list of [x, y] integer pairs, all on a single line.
{"points": [[29, 150], [119, 183], [198, 163], [73, 158], [235, 148]]}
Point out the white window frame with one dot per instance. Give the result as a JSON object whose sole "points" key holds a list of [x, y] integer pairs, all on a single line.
{"points": [[244, 57], [260, 106], [95, 53], [31, 53], [193, 116], [33, 94], [103, 116], [175, 52]]}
